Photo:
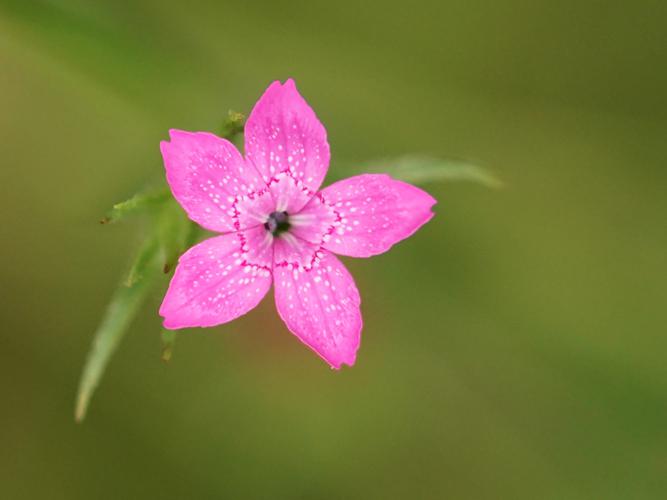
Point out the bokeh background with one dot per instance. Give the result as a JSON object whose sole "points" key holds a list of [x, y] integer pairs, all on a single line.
{"points": [[514, 348]]}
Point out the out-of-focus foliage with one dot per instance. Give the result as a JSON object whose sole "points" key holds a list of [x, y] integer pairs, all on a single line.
{"points": [[169, 235], [514, 348], [124, 305], [419, 169]]}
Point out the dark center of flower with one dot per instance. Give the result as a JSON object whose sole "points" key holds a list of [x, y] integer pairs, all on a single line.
{"points": [[277, 223]]}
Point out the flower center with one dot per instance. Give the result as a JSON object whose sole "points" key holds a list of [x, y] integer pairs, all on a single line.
{"points": [[278, 222]]}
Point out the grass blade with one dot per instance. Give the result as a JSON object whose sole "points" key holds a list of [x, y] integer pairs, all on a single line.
{"points": [[119, 314], [424, 170], [145, 258], [139, 203], [172, 234]]}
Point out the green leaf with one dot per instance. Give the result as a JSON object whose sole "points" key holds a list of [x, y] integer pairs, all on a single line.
{"points": [[145, 258], [142, 202], [119, 314], [172, 234], [424, 169]]}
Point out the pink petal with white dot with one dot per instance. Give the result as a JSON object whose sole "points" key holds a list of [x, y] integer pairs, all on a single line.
{"points": [[281, 228]]}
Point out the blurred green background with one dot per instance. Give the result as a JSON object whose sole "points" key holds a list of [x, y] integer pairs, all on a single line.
{"points": [[514, 348]]}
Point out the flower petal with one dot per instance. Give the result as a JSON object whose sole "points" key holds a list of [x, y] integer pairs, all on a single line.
{"points": [[283, 135], [219, 280], [315, 222], [374, 212], [211, 181], [320, 303]]}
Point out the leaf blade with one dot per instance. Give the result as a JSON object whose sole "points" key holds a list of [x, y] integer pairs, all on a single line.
{"points": [[121, 311], [141, 202], [418, 169]]}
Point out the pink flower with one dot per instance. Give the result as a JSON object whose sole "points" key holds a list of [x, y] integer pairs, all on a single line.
{"points": [[279, 228]]}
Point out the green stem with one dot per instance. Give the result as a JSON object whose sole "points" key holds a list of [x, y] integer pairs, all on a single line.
{"points": [[172, 234]]}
